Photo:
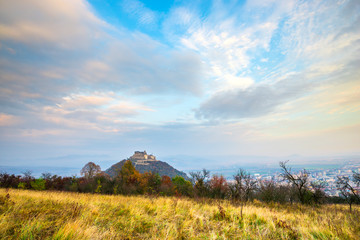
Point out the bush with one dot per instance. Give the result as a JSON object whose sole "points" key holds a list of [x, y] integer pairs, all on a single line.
{"points": [[22, 185], [38, 184]]}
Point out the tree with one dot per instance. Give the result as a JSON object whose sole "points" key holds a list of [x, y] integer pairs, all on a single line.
{"points": [[243, 186], [218, 186], [271, 191], [200, 181], [150, 182], [128, 178], [348, 188], [46, 176], [166, 186], [182, 186], [7, 180], [128, 173], [27, 178], [318, 192], [300, 182], [48, 179], [90, 170]]}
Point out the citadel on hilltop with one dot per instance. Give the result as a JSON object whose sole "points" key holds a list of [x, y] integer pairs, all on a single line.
{"points": [[142, 158], [144, 162]]}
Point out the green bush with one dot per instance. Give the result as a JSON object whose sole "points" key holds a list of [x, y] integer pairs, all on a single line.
{"points": [[22, 185], [38, 184]]}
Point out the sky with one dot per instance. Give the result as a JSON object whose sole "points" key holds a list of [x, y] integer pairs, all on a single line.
{"points": [[99, 79]]}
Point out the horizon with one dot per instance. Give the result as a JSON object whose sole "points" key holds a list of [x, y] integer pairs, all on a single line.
{"points": [[185, 164], [249, 81]]}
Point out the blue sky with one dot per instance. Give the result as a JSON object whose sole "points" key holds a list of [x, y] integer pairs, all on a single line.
{"points": [[196, 78]]}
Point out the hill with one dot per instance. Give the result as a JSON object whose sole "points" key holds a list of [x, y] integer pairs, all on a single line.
{"points": [[29, 214], [145, 163]]}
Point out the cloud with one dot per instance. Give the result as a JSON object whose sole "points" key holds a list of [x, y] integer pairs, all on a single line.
{"points": [[66, 24], [264, 98], [72, 77], [61, 48], [139, 64], [139, 11], [8, 120], [254, 101], [98, 111], [227, 42], [313, 56]]}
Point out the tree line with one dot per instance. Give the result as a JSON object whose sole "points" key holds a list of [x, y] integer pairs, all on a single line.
{"points": [[293, 187]]}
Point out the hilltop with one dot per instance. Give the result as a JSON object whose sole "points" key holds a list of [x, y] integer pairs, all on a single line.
{"points": [[144, 162]]}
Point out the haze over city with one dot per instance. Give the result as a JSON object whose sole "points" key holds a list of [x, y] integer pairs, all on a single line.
{"points": [[198, 83]]}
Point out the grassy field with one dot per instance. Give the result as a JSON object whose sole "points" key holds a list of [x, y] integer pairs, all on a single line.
{"points": [[59, 215]]}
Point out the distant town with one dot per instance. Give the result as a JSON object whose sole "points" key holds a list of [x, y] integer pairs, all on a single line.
{"points": [[327, 174]]}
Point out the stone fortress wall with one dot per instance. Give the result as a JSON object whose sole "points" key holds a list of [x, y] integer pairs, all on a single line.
{"points": [[142, 158]]}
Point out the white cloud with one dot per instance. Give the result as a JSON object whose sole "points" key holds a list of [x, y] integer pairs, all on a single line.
{"points": [[317, 52], [226, 41], [67, 24]]}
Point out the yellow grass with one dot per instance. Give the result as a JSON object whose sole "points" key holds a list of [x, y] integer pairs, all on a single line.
{"points": [[60, 215]]}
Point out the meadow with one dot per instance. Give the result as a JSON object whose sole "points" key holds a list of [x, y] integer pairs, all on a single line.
{"points": [[28, 214]]}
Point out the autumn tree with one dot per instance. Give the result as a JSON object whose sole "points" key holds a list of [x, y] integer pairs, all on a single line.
{"points": [[150, 182], [218, 186], [90, 170], [166, 186], [128, 178], [128, 173]]}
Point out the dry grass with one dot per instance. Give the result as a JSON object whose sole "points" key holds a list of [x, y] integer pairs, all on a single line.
{"points": [[60, 215]]}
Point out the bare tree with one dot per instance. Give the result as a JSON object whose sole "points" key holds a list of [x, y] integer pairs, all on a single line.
{"points": [[347, 188], [46, 176], [243, 187], [28, 175], [299, 181], [90, 170]]}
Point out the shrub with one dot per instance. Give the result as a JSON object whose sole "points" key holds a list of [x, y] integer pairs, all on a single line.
{"points": [[38, 184]]}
